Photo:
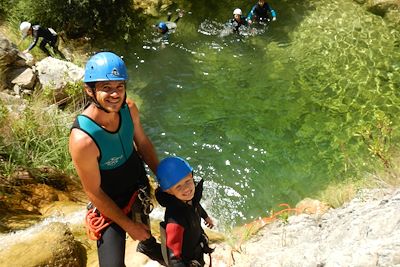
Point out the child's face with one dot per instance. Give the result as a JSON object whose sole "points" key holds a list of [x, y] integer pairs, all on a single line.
{"points": [[184, 190]]}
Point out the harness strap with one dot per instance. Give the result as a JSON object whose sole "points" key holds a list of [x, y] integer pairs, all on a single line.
{"points": [[96, 222]]}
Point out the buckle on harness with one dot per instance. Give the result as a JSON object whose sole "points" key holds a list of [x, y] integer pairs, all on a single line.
{"points": [[145, 200]]}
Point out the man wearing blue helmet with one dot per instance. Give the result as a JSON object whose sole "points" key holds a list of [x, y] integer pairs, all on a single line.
{"points": [[109, 147], [185, 240]]}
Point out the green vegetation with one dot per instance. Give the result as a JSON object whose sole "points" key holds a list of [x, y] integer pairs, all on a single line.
{"points": [[38, 137], [83, 18]]}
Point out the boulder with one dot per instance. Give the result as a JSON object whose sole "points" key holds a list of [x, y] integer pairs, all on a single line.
{"points": [[55, 74], [382, 7], [25, 79], [50, 245]]}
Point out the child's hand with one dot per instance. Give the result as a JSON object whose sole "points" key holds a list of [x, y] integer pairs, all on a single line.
{"points": [[209, 222]]}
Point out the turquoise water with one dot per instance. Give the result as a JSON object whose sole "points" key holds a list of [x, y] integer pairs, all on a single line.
{"points": [[271, 116]]}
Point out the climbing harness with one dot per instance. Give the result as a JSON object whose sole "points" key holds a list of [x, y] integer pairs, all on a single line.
{"points": [[206, 248], [97, 222], [203, 244], [145, 200]]}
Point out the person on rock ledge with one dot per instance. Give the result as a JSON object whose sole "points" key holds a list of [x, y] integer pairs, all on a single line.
{"points": [[109, 147]]}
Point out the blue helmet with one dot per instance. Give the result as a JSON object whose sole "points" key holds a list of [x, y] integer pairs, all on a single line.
{"points": [[171, 170], [162, 26], [105, 66]]}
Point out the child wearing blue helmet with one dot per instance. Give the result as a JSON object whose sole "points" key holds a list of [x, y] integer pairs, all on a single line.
{"points": [[185, 240]]}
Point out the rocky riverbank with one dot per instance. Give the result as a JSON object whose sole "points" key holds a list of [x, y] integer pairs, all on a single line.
{"points": [[364, 232]]}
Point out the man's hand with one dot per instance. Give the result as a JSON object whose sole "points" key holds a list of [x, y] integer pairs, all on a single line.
{"points": [[273, 18], [138, 231]]}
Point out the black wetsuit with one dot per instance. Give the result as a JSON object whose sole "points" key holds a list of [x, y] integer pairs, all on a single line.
{"points": [[183, 228], [48, 35], [236, 24], [261, 13], [122, 173]]}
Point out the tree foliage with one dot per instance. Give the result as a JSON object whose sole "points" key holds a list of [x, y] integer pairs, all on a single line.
{"points": [[77, 18]]}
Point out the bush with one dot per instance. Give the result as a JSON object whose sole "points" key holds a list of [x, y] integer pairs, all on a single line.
{"points": [[77, 18]]}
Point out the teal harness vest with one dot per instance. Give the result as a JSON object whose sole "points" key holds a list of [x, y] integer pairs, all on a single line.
{"points": [[115, 147], [121, 168]]}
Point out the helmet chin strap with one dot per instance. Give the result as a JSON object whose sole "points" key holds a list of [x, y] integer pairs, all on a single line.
{"points": [[97, 104]]}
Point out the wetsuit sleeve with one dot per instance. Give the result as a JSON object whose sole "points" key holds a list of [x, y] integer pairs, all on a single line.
{"points": [[251, 13], [174, 239], [273, 13], [203, 213], [35, 40]]}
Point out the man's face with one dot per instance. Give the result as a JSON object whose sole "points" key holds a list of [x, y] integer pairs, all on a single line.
{"points": [[110, 94], [261, 2]]}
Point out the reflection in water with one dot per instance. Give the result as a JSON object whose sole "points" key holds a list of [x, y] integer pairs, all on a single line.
{"points": [[269, 118]]}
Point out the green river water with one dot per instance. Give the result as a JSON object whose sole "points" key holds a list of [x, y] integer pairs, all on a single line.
{"points": [[271, 117]]}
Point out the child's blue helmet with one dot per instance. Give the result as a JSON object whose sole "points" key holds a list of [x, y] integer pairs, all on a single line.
{"points": [[162, 26], [105, 66], [171, 170]]}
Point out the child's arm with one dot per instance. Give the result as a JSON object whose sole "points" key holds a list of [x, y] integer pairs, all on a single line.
{"points": [[207, 219], [209, 222]]}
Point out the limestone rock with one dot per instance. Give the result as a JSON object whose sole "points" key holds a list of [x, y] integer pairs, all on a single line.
{"points": [[51, 245], [55, 74]]}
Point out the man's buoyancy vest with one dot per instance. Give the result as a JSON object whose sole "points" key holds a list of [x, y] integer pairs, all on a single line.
{"points": [[121, 169]]}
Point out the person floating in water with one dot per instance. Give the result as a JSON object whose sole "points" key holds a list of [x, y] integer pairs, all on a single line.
{"points": [[238, 20], [48, 35], [261, 12], [166, 28]]}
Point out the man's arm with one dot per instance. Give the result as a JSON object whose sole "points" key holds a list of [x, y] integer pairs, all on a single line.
{"points": [[143, 144], [251, 14], [84, 153], [34, 42]]}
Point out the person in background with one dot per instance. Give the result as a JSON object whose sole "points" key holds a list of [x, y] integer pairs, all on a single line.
{"points": [[185, 240], [109, 147], [48, 35], [261, 12], [165, 28], [238, 20]]}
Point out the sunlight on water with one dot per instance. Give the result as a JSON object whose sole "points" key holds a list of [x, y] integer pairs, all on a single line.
{"points": [[9, 239], [272, 117]]}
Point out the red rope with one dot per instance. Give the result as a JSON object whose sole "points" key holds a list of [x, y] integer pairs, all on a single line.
{"points": [[96, 222]]}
